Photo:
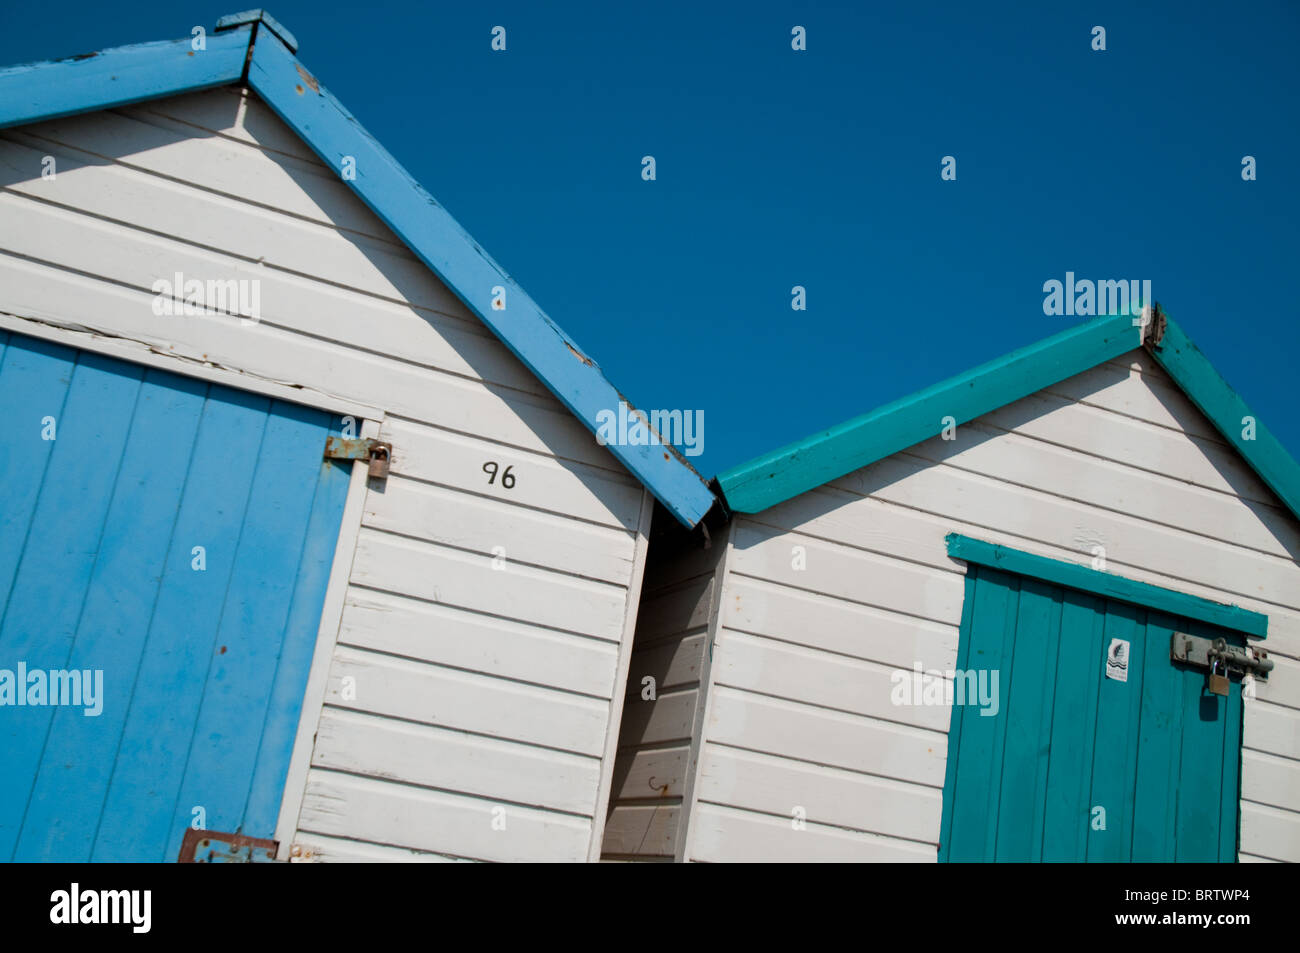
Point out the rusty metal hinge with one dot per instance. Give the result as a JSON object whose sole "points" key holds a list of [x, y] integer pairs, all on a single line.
{"points": [[214, 847], [358, 448]]}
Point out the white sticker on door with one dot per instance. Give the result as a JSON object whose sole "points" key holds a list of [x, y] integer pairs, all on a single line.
{"points": [[1117, 660]]}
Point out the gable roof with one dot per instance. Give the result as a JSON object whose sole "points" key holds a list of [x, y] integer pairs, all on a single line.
{"points": [[252, 49], [799, 467]]}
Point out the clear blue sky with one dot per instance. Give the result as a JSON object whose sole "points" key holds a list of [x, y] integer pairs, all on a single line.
{"points": [[822, 168]]}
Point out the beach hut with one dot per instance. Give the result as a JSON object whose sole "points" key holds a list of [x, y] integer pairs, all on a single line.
{"points": [[308, 549], [1046, 610]]}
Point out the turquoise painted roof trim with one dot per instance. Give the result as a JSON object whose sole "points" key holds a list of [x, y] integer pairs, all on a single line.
{"points": [[799, 467], [1108, 585], [153, 70], [1211, 394], [802, 466]]}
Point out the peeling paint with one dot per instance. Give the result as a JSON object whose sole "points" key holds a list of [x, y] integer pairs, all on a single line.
{"points": [[168, 351], [579, 355], [308, 79]]}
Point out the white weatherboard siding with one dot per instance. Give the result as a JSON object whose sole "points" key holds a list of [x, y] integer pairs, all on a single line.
{"points": [[658, 742], [798, 711], [471, 687]]}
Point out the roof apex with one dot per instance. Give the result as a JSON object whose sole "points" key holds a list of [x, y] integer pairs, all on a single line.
{"points": [[232, 20]]}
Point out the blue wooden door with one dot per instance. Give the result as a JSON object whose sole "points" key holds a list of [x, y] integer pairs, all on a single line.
{"points": [[177, 537], [1076, 766]]}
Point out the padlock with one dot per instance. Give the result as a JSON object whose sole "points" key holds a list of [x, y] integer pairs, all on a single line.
{"points": [[1218, 682], [379, 460]]}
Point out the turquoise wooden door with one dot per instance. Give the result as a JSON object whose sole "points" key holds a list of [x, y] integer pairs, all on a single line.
{"points": [[175, 537], [1076, 766]]}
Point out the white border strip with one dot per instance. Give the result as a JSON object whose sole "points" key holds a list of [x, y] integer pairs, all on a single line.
{"points": [[313, 699], [128, 349]]}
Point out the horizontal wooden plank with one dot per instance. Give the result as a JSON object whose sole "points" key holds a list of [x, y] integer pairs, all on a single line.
{"points": [[468, 581], [672, 663], [788, 729], [316, 848], [650, 773], [1122, 390], [235, 112], [1271, 728], [454, 761], [1136, 443], [1268, 779], [828, 796], [464, 639], [499, 530], [847, 573], [240, 170], [671, 612], [44, 293], [813, 677], [1283, 685], [308, 305], [641, 829], [668, 718], [144, 355], [823, 622], [240, 229], [447, 698], [1011, 458], [891, 528], [1270, 832], [725, 835], [419, 819], [1032, 514], [595, 494]]}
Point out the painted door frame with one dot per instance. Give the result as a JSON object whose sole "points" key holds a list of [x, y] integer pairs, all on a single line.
{"points": [[371, 420], [1097, 583], [331, 617]]}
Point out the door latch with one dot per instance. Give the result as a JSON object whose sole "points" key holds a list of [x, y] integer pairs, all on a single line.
{"points": [[1220, 660], [374, 452], [214, 847]]}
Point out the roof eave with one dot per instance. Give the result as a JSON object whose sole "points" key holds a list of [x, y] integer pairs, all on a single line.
{"points": [[799, 467], [118, 77], [1213, 396], [804, 465]]}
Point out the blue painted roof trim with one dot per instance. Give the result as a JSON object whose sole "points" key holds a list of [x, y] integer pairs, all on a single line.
{"points": [[152, 70], [806, 464], [119, 77], [232, 20], [1105, 584]]}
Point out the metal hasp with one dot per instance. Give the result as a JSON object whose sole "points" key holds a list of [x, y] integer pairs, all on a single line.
{"points": [[1219, 658], [214, 847], [376, 453]]}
